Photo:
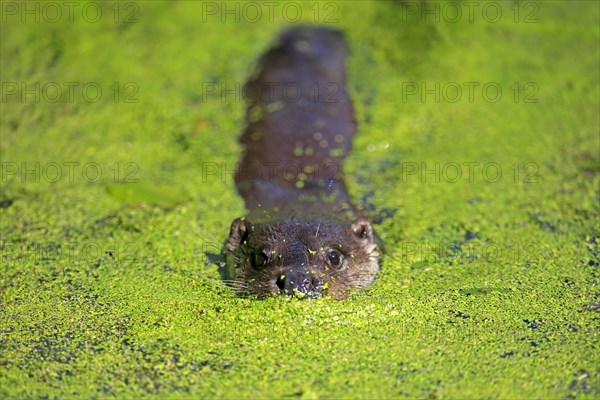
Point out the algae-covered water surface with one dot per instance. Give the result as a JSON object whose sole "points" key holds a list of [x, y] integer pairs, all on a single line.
{"points": [[477, 159]]}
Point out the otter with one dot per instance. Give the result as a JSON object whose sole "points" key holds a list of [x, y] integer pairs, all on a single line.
{"points": [[302, 236]]}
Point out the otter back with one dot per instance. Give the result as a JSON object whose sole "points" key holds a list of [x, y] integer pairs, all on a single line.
{"points": [[300, 127]]}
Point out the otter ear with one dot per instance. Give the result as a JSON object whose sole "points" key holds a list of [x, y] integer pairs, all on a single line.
{"points": [[362, 230], [238, 233]]}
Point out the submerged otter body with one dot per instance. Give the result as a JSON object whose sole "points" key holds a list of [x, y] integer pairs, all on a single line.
{"points": [[305, 239]]}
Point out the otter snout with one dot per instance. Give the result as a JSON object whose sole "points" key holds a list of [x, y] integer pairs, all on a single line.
{"points": [[301, 284]]}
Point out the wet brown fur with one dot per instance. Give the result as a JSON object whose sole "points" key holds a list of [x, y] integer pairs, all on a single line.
{"points": [[296, 196]]}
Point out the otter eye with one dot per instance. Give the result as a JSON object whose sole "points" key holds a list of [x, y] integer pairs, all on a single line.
{"points": [[260, 260], [335, 258]]}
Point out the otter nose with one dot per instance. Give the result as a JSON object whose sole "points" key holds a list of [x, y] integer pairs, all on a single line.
{"points": [[300, 284]]}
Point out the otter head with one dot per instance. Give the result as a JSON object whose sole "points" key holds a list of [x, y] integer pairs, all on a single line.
{"points": [[305, 259]]}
